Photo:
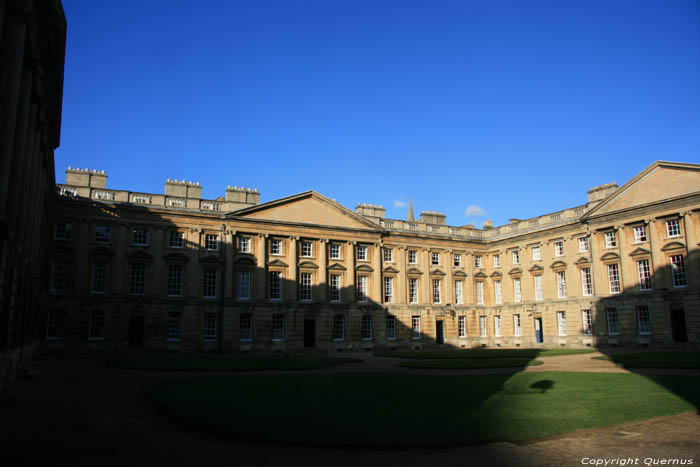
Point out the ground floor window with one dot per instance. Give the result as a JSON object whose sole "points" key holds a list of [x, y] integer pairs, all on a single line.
{"points": [[517, 326], [643, 320], [497, 326], [415, 327], [96, 325], [613, 325], [54, 324], [390, 327], [482, 326], [338, 327], [561, 322], [245, 327], [366, 327], [174, 326], [209, 327], [462, 325], [587, 322], [278, 327]]}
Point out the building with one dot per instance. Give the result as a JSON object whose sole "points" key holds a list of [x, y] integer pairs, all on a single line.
{"points": [[174, 271]]}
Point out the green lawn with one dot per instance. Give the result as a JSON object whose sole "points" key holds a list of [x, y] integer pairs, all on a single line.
{"points": [[225, 362], [465, 363], [394, 409], [483, 353], [656, 359]]}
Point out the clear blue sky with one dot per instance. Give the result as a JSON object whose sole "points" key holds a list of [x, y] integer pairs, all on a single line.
{"points": [[515, 108]]}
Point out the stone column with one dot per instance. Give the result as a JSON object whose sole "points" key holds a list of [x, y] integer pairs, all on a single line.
{"points": [[350, 294], [426, 296], [292, 279], [227, 238], [401, 278], [159, 270], [260, 273], [322, 271]]}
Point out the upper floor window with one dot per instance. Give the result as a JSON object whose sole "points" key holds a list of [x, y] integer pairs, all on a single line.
{"points": [[177, 239], [275, 285], [496, 261], [412, 290], [536, 253], [517, 291], [139, 236], [245, 244], [103, 233], [412, 257], [362, 288], [60, 275], [497, 292], [516, 257], [138, 278], [306, 249], [436, 291], [610, 240], [334, 251], [586, 282], [673, 228], [211, 242], [459, 292], [306, 283], [388, 290], [388, 255], [335, 288], [361, 253], [243, 286], [479, 293], [614, 278], [63, 231], [583, 245], [539, 293], [644, 273], [174, 280], [640, 234], [678, 271], [209, 282], [477, 261], [561, 284], [558, 248], [435, 259], [276, 246], [457, 260], [99, 275]]}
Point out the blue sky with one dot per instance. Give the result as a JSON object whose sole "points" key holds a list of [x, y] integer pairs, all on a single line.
{"points": [[515, 108]]}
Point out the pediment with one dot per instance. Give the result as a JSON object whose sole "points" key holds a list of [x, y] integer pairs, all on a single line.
{"points": [[661, 181], [306, 208], [480, 275], [245, 260], [640, 252], [176, 257], [496, 274], [414, 271], [391, 270], [673, 246], [364, 267], [558, 265], [437, 272], [277, 262], [610, 256], [210, 259], [308, 265], [337, 267], [515, 271], [536, 268], [63, 250], [459, 273], [582, 261], [139, 254], [100, 251]]}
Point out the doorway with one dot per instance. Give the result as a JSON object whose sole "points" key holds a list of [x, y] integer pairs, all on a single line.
{"points": [[678, 327], [136, 331], [309, 332], [539, 334], [439, 332]]}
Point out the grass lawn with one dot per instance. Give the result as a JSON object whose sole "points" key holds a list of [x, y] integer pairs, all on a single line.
{"points": [[483, 353], [463, 363], [225, 362], [395, 409], [656, 359]]}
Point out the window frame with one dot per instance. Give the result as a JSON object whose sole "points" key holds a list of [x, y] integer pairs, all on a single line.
{"points": [[306, 283], [673, 228], [65, 232], [586, 282], [498, 292], [362, 252], [587, 322], [177, 239], [614, 278], [139, 236], [561, 284], [644, 275], [276, 247], [207, 328], [362, 288], [679, 278], [610, 239], [640, 233], [415, 327], [306, 249], [558, 249], [211, 242], [462, 326], [536, 253], [338, 330], [103, 233], [457, 260]]}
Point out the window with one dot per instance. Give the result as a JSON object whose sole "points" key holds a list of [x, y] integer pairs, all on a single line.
{"points": [[244, 244], [477, 261], [517, 292], [644, 274], [640, 234], [60, 275], [678, 271], [459, 292], [211, 242], [610, 240], [561, 284], [586, 282], [305, 295], [536, 253], [497, 326], [482, 326], [435, 259], [436, 291], [54, 324], [276, 246], [415, 327], [391, 327], [338, 327], [278, 327], [174, 280], [96, 325], [361, 253], [245, 327], [388, 255], [98, 277], [558, 248], [362, 282], [517, 326], [614, 278], [334, 251], [496, 261], [243, 285], [103, 233], [643, 320], [587, 322], [458, 260], [138, 278], [366, 328], [498, 292], [673, 228], [306, 249], [516, 257], [538, 287], [462, 326], [412, 257], [334, 288], [209, 282], [139, 236], [275, 285], [177, 239], [63, 231], [613, 325], [209, 326], [412, 290], [174, 326], [388, 290], [583, 244], [479, 293], [561, 322]]}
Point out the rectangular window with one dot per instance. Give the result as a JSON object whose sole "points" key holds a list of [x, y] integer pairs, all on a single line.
{"points": [[536, 253], [614, 278], [479, 293], [391, 327], [334, 288], [583, 244], [561, 284], [307, 249], [245, 244], [643, 320], [98, 284], [539, 295], [459, 292], [361, 253], [174, 280], [644, 274], [678, 271], [516, 257], [243, 285], [412, 257], [211, 242], [517, 326], [498, 292], [60, 275], [276, 246], [388, 255], [338, 327], [54, 324], [388, 290], [275, 285], [334, 251], [305, 295], [558, 248], [209, 326], [497, 326], [482, 326], [362, 288], [561, 322], [63, 231], [278, 327], [96, 325], [412, 290], [673, 228], [640, 234], [139, 236], [435, 259], [458, 260], [496, 261], [209, 282], [462, 326], [613, 325], [177, 239], [174, 326], [245, 327], [436, 291], [366, 328], [103, 233], [586, 282], [138, 278], [610, 240], [587, 321], [517, 292], [477, 261], [415, 327]]}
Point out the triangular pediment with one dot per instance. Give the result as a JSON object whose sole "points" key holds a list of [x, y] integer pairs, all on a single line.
{"points": [[515, 271], [582, 261], [337, 267], [176, 257], [306, 208], [480, 275], [610, 257], [640, 252], [536, 268], [391, 270], [558, 265], [139, 254], [459, 273], [100, 251], [496, 274], [277, 262], [308, 265], [437, 272], [661, 181], [415, 271]]}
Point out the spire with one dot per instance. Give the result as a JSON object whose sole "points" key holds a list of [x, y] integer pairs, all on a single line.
{"points": [[410, 211]]}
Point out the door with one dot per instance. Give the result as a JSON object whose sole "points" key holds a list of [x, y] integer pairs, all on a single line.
{"points": [[539, 335], [135, 332], [309, 332], [440, 332], [678, 328]]}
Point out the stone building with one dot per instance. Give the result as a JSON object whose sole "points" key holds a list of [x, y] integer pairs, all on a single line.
{"points": [[175, 271]]}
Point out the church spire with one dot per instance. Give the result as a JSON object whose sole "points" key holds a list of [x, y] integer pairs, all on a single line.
{"points": [[410, 211]]}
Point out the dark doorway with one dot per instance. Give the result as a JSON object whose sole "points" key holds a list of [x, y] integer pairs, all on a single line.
{"points": [[678, 328], [439, 332], [309, 332], [539, 333], [135, 332]]}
